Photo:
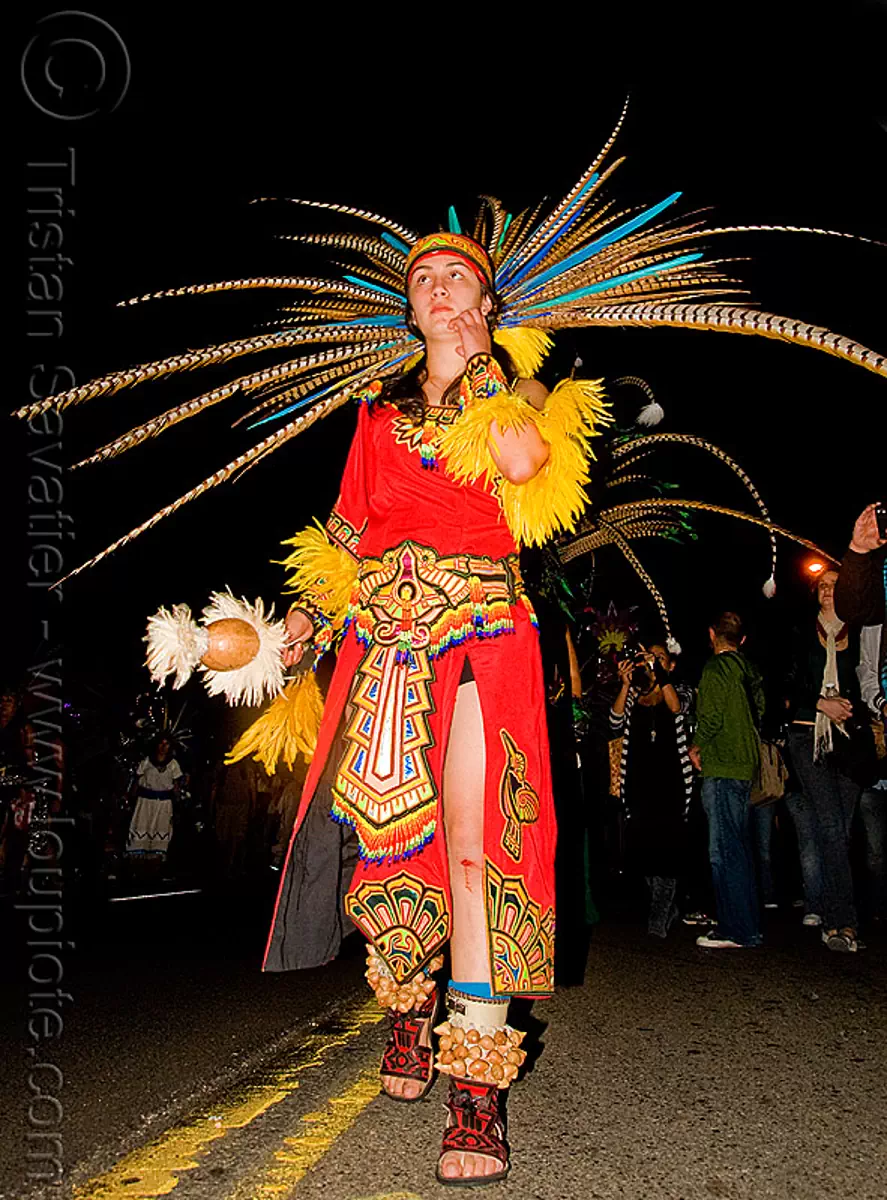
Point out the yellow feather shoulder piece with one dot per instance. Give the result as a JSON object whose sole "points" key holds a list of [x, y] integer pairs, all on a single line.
{"points": [[527, 348], [322, 573], [466, 443], [553, 500], [287, 728]]}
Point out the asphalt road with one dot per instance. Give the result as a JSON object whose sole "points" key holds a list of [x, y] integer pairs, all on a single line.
{"points": [[672, 1073]]}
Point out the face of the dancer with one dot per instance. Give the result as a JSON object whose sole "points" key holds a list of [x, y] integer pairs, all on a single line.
{"points": [[163, 751], [440, 288]]}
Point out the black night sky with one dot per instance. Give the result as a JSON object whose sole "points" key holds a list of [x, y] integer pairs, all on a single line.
{"points": [[226, 105]]}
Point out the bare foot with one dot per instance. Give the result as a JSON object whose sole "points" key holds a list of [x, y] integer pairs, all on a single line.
{"points": [[454, 1164], [400, 1088]]}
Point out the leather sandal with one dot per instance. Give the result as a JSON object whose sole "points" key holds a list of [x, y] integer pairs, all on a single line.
{"points": [[404, 1057], [474, 1126]]}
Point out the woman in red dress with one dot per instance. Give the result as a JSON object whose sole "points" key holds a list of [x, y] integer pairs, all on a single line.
{"points": [[442, 766]]}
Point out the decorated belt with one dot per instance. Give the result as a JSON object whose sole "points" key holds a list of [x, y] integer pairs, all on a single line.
{"points": [[418, 600]]}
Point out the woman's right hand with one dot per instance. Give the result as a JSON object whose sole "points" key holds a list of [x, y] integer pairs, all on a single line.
{"points": [[299, 629], [625, 668], [866, 536], [838, 709]]}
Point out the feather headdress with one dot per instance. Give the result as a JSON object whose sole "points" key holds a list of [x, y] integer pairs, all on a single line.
{"points": [[583, 263]]}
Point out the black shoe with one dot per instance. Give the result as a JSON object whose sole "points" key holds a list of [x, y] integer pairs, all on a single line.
{"points": [[698, 918]]}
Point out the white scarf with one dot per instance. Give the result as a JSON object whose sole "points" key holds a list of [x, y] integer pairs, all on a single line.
{"points": [[822, 733]]}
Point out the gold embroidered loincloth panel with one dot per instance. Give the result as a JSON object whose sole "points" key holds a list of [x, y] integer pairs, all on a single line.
{"points": [[409, 607]]}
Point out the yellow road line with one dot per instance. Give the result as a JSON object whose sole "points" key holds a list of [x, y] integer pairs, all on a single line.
{"points": [[155, 1168], [391, 1196], [306, 1149]]}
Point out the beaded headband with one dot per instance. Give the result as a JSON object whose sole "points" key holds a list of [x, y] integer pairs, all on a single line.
{"points": [[456, 244]]}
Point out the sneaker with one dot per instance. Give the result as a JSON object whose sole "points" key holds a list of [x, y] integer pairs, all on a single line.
{"points": [[711, 941], [698, 918], [811, 919]]}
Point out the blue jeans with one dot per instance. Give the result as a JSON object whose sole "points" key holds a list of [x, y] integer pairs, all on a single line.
{"points": [[804, 818], [873, 815], [762, 827], [732, 858], [833, 798]]}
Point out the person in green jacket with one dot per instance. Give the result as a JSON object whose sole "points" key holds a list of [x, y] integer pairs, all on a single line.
{"points": [[729, 708]]}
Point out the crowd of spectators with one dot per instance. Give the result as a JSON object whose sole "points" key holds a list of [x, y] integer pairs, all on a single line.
{"points": [[821, 754]]}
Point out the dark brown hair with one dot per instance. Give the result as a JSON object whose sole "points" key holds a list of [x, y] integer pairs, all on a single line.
{"points": [[728, 628]]}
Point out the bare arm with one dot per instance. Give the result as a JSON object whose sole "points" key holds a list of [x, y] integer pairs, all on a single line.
{"points": [[518, 454], [575, 673], [521, 454], [625, 669]]}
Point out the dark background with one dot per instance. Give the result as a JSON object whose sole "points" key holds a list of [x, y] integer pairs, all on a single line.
{"points": [[770, 114]]}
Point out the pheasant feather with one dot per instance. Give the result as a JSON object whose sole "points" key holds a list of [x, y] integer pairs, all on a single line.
{"points": [[583, 261]]}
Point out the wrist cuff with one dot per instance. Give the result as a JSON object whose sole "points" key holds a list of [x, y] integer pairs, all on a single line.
{"points": [[483, 377], [303, 606]]}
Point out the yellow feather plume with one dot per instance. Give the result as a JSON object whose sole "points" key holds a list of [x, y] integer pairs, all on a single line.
{"points": [[466, 443], [527, 348], [287, 728], [553, 500], [321, 572]]}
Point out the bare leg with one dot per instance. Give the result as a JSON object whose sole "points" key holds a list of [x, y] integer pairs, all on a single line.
{"points": [[464, 773], [464, 821], [463, 791]]}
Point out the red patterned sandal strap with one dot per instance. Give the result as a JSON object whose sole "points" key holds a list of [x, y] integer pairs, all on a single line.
{"points": [[475, 1124], [403, 1056]]}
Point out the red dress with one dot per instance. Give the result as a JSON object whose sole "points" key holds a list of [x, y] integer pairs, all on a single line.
{"points": [[438, 580]]}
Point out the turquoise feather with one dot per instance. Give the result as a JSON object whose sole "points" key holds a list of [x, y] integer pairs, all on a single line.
{"points": [[514, 263], [606, 284], [606, 239], [508, 219], [396, 243], [336, 386], [374, 287]]}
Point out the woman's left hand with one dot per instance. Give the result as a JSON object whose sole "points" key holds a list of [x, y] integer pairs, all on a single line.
{"points": [[473, 331]]}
